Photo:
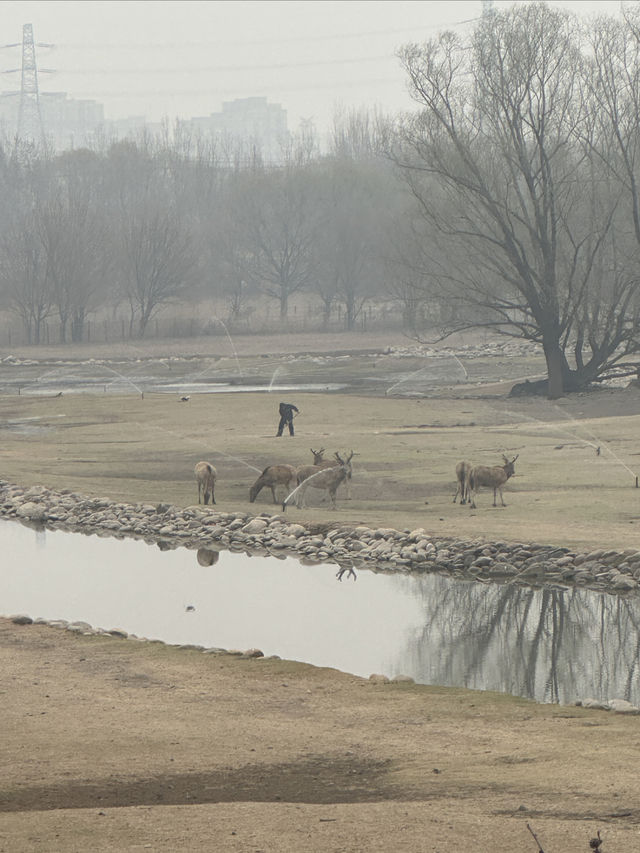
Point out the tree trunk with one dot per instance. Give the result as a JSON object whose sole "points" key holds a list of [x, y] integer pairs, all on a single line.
{"points": [[556, 366], [284, 304]]}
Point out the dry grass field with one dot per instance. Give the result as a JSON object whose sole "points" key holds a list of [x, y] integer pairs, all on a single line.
{"points": [[112, 745], [135, 448]]}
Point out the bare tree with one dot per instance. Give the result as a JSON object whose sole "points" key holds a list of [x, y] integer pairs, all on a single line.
{"points": [[157, 261], [280, 220], [26, 283], [355, 195], [74, 233], [496, 162]]}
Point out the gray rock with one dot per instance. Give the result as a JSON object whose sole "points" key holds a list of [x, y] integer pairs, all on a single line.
{"points": [[594, 704], [21, 620], [256, 525], [621, 706]]}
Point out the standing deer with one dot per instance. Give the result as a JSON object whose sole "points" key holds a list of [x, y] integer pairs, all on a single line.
{"points": [[491, 478], [206, 477], [272, 476], [320, 462], [463, 469], [322, 478]]}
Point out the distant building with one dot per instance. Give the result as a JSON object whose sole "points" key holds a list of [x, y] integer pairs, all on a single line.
{"points": [[248, 122], [131, 126], [67, 122], [242, 125]]}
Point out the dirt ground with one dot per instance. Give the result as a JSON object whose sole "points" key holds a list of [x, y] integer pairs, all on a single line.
{"points": [[113, 745], [116, 745]]}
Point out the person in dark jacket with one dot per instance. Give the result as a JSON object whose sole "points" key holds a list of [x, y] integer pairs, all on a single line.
{"points": [[286, 417]]}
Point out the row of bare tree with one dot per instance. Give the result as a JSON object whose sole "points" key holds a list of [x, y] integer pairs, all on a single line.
{"points": [[509, 199], [148, 222]]}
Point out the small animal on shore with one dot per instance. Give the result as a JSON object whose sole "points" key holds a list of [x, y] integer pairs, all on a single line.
{"points": [[206, 476], [463, 469], [272, 476], [491, 478]]}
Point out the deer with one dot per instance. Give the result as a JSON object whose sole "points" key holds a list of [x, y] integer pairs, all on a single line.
{"points": [[491, 478], [462, 476], [206, 478], [320, 462], [272, 476], [321, 478]]}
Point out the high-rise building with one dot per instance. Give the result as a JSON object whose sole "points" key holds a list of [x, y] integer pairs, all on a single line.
{"points": [[248, 122]]}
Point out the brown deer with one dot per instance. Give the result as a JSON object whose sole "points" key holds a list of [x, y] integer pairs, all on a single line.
{"points": [[491, 478], [272, 476], [463, 470], [206, 478], [320, 462], [322, 478]]}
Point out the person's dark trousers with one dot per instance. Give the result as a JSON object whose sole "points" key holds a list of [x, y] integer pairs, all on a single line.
{"points": [[283, 421]]}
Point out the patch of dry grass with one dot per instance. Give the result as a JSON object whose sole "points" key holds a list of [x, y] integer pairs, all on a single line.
{"points": [[135, 449]]}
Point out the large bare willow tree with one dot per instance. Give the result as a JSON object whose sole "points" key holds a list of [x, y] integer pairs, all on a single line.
{"points": [[526, 226]]}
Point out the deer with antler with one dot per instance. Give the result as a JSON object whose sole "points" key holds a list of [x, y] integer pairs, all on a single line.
{"points": [[320, 462], [322, 478]]}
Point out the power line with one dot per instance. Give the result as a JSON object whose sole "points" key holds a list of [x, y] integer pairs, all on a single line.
{"points": [[281, 40], [271, 66], [213, 91]]}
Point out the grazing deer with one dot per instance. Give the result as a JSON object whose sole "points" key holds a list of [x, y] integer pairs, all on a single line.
{"points": [[272, 476], [463, 470], [206, 477], [322, 478], [491, 478], [320, 462]]}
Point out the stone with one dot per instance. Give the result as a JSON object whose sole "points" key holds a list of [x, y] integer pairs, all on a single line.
{"points": [[253, 653], [32, 511], [256, 525], [594, 704], [21, 620], [621, 706]]}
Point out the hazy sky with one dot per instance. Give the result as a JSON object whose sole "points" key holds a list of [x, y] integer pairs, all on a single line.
{"points": [[161, 58]]}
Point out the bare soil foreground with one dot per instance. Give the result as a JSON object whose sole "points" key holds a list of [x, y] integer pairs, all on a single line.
{"points": [[116, 745]]}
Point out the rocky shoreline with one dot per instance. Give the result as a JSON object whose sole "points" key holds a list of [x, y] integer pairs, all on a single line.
{"points": [[209, 531], [350, 548]]}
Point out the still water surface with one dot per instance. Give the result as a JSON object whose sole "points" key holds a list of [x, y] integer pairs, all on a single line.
{"points": [[550, 645]]}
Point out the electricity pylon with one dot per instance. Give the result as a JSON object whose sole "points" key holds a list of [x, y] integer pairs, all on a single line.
{"points": [[30, 126]]}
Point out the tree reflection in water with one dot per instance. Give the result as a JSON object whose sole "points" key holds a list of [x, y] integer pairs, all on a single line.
{"points": [[550, 644]]}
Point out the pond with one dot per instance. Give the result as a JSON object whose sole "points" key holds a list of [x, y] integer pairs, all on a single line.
{"points": [[365, 373], [552, 645]]}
